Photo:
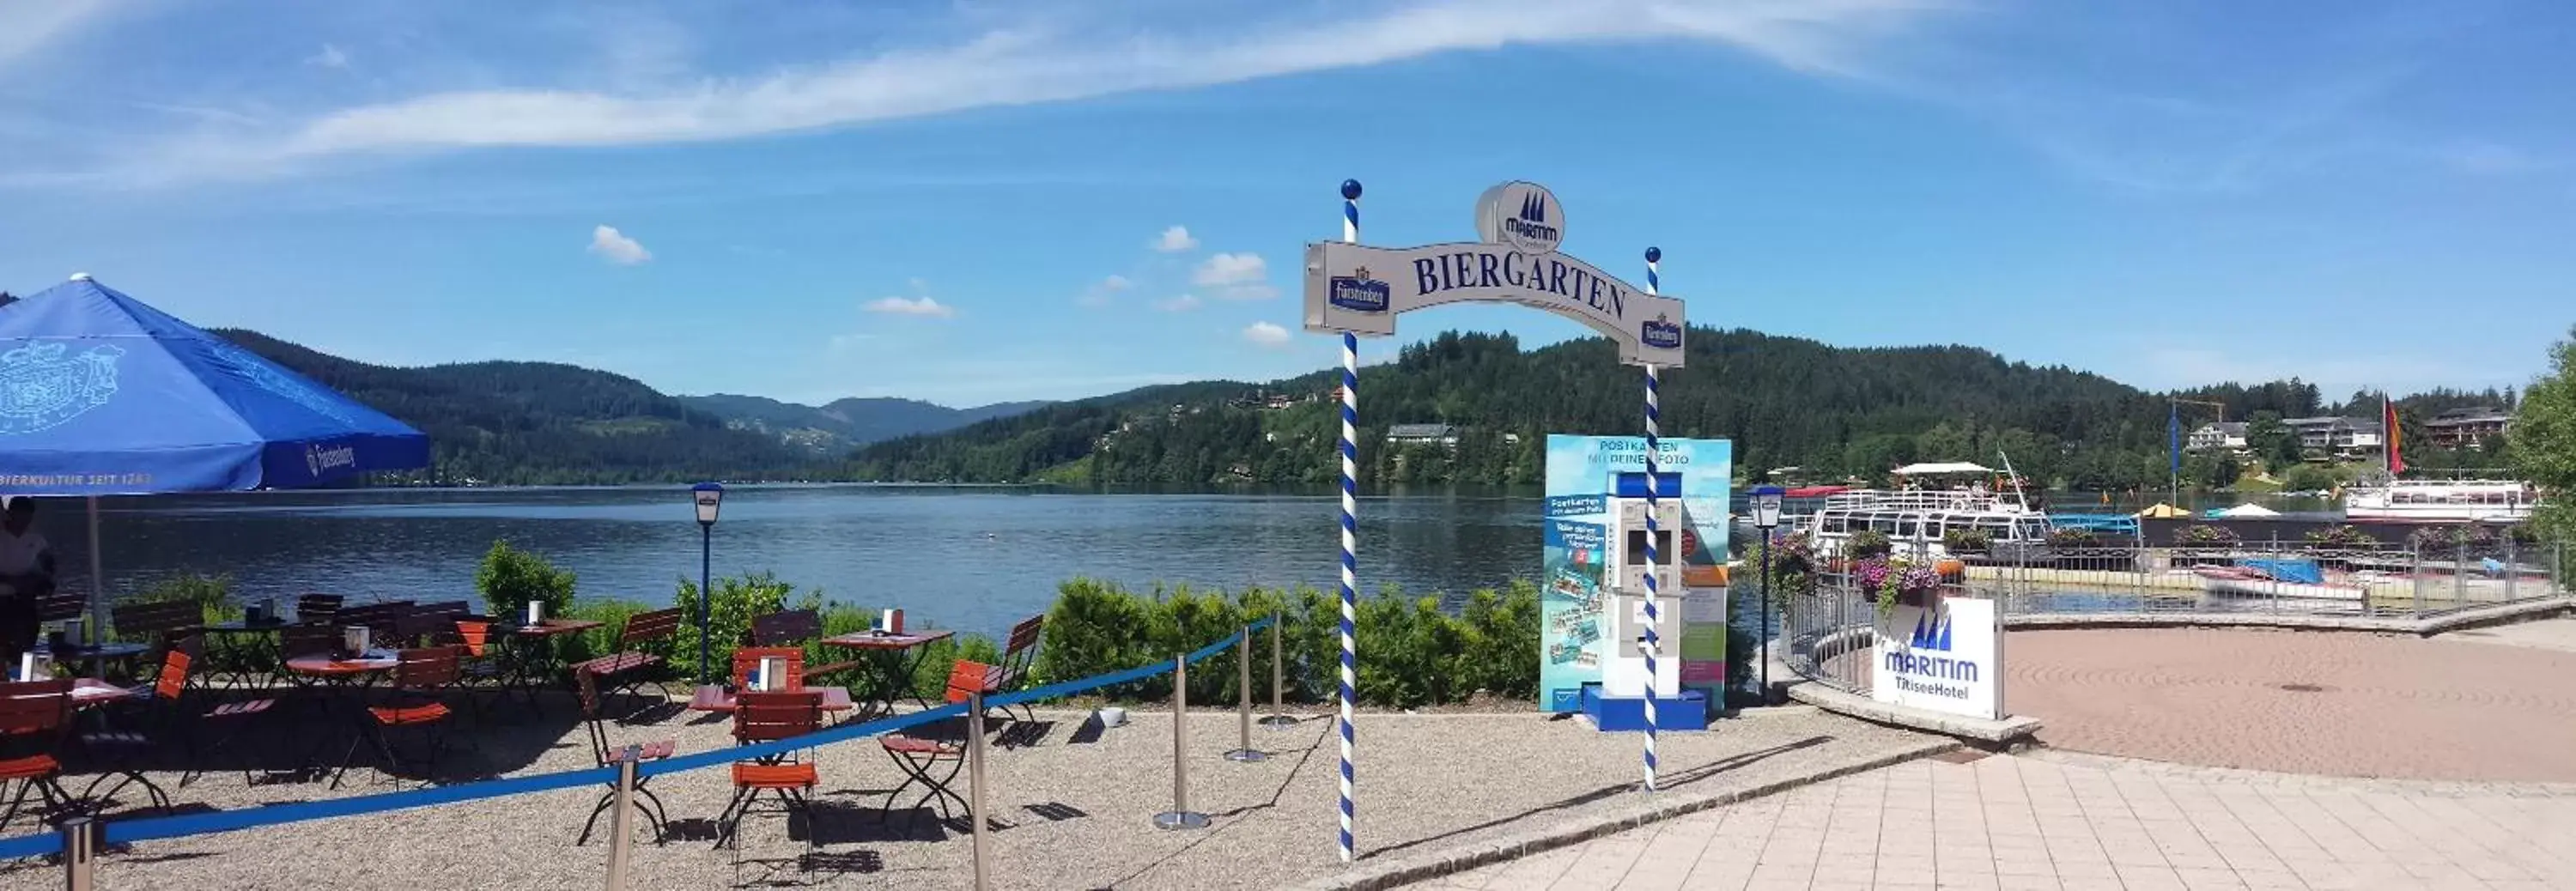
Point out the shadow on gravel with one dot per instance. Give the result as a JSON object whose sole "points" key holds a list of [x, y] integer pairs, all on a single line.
{"points": [[1680, 778]]}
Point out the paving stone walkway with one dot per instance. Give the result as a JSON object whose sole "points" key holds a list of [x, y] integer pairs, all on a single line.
{"points": [[2061, 820]]}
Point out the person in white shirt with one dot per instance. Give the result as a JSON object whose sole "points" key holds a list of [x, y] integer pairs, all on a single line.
{"points": [[26, 573]]}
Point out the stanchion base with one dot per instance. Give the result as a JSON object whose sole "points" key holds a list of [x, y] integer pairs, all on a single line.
{"points": [[1247, 756], [1180, 820], [1277, 722]]}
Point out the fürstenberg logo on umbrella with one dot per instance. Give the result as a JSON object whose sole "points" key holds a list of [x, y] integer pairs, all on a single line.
{"points": [[318, 458]]}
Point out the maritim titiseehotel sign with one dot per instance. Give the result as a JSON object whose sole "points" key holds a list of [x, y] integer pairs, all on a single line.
{"points": [[1361, 289]]}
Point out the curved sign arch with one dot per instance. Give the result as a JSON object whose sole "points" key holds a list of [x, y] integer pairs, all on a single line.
{"points": [[1360, 290]]}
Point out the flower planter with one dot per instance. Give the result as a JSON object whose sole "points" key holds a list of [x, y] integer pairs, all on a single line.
{"points": [[1924, 598]]}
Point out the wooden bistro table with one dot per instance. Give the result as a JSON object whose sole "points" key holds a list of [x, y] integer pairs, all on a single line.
{"points": [[536, 654], [353, 674], [716, 698], [885, 655]]}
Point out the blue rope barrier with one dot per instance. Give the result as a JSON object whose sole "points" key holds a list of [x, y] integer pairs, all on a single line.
{"points": [[37, 845], [128, 831], [124, 831]]}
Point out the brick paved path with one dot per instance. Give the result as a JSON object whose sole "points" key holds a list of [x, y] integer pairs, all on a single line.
{"points": [[2301, 702], [2083, 822]]}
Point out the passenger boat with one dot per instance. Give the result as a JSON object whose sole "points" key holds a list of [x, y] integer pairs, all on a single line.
{"points": [[2442, 501], [1915, 519]]}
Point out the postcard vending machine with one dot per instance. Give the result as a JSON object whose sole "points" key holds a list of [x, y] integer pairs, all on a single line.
{"points": [[1594, 601]]}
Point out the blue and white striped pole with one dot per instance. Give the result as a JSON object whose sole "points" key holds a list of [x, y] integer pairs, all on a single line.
{"points": [[1350, 521], [1654, 560]]}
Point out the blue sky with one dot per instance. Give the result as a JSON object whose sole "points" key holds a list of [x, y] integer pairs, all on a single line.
{"points": [[978, 200]]}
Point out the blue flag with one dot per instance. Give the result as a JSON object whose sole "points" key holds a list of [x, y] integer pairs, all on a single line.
{"points": [[2173, 435]]}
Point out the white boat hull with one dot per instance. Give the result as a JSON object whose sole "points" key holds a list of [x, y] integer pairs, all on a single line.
{"points": [[2269, 588], [2438, 513]]}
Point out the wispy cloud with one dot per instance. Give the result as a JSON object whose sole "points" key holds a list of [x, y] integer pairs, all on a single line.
{"points": [[1049, 57], [1183, 303], [329, 57], [911, 306], [1102, 291], [1175, 240], [607, 242], [29, 25], [1265, 335]]}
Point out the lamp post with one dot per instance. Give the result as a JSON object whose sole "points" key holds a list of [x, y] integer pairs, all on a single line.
{"points": [[709, 498], [1766, 517]]}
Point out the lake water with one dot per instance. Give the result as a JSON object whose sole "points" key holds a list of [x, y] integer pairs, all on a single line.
{"points": [[970, 558]]}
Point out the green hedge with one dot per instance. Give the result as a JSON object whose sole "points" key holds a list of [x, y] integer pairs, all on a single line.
{"points": [[1412, 653]]}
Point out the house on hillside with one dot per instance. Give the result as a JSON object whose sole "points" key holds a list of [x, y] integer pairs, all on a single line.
{"points": [[1422, 434], [2464, 428], [2229, 435], [2342, 436]]}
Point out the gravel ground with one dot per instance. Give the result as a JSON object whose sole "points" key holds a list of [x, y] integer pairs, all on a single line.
{"points": [[1078, 807]]}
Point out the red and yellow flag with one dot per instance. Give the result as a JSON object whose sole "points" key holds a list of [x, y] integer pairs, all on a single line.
{"points": [[2388, 420]]}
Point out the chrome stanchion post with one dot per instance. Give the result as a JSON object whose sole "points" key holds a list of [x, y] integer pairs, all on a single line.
{"points": [[1180, 816], [1278, 718], [975, 780], [619, 834], [80, 854], [1243, 750]]}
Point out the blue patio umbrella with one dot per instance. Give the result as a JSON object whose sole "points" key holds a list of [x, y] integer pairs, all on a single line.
{"points": [[101, 394]]}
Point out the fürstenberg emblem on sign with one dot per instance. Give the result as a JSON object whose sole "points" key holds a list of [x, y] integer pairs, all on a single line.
{"points": [[1361, 289]]}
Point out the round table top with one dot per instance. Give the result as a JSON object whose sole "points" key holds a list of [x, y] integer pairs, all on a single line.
{"points": [[327, 664]]}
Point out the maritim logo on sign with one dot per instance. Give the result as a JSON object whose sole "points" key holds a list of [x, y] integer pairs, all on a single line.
{"points": [[1359, 292], [1940, 658], [1522, 214]]}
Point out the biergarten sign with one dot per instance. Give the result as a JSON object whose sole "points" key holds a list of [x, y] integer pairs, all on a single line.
{"points": [[1360, 289]]}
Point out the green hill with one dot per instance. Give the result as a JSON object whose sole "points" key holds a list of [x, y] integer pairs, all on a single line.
{"points": [[510, 423], [1786, 402], [845, 423]]}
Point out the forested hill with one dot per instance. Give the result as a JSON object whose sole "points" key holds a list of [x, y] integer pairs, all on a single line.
{"points": [[1784, 401], [835, 427], [535, 423]]}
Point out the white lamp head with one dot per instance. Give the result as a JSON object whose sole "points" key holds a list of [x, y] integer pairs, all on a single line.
{"points": [[710, 499]]}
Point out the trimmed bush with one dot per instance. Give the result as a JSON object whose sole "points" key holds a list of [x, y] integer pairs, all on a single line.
{"points": [[1414, 653], [509, 578]]}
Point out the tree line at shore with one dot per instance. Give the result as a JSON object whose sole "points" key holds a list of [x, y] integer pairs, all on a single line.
{"points": [[1832, 412]]}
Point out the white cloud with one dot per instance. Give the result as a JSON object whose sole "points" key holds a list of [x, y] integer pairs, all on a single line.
{"points": [[1183, 303], [607, 242], [1049, 56], [1234, 277], [28, 25], [1220, 270], [912, 306], [1266, 335], [1175, 240], [329, 57], [1099, 292]]}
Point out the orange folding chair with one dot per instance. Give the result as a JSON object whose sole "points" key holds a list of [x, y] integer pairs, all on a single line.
{"points": [[921, 758], [769, 717]]}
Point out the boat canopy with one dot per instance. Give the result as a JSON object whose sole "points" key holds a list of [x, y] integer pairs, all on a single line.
{"points": [[1942, 467], [1814, 491], [2247, 510], [2163, 511]]}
